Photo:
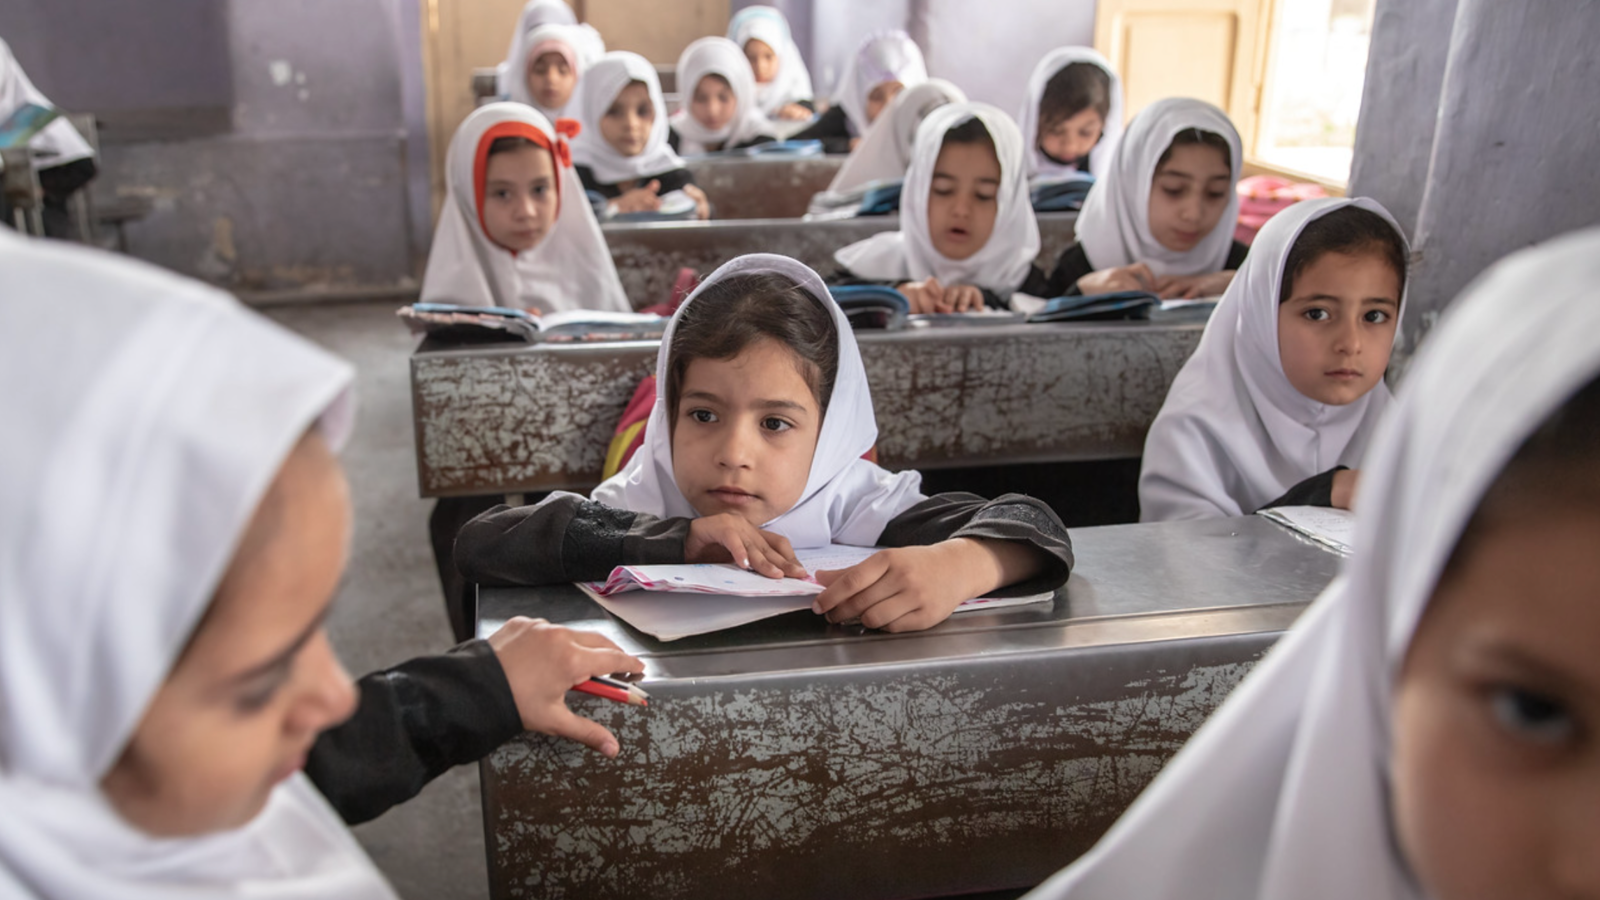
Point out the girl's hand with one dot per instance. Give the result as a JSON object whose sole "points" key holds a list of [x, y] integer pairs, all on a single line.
{"points": [[702, 204], [960, 298], [1136, 277], [904, 588], [726, 537], [793, 112], [1344, 488], [639, 199], [1188, 287], [924, 296], [543, 661]]}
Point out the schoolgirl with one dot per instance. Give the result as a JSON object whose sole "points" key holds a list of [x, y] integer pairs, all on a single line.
{"points": [[783, 84], [885, 63], [1072, 119], [622, 153], [719, 110]]}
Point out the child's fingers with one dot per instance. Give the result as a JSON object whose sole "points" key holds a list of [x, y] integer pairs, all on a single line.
{"points": [[605, 660], [787, 559], [653, 187], [763, 559], [1141, 273], [871, 595], [567, 724], [889, 610], [861, 586], [826, 577]]}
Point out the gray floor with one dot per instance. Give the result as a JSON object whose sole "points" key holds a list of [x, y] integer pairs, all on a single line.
{"points": [[390, 608]]}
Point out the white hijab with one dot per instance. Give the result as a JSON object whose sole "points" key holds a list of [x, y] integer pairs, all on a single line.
{"points": [[847, 500], [570, 269], [598, 90], [1114, 227], [717, 56], [1284, 792], [884, 56], [147, 441], [792, 83], [1233, 433], [59, 143], [1001, 265], [535, 15], [563, 39], [1041, 166], [885, 152]]}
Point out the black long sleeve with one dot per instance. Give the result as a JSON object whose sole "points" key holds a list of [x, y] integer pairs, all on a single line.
{"points": [[563, 539], [1009, 517], [1314, 491], [414, 722], [671, 180], [1035, 281], [1073, 263], [832, 128]]}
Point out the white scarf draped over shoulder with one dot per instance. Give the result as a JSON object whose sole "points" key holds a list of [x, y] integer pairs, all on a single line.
{"points": [[1000, 265], [596, 92], [717, 56], [847, 500], [570, 269], [882, 57], [1042, 166], [1285, 791], [566, 40], [1234, 434], [1114, 227], [885, 153], [151, 436], [59, 143], [792, 83]]}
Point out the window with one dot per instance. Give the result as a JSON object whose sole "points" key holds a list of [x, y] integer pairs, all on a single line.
{"points": [[1312, 96]]}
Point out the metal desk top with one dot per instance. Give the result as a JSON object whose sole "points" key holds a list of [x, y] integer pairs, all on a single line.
{"points": [[1132, 584]]}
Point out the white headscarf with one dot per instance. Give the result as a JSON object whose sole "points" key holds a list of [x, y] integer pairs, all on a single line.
{"points": [[59, 143], [598, 90], [1114, 227], [570, 269], [562, 39], [1001, 265], [885, 152], [847, 500], [1284, 792], [884, 56], [1233, 433], [140, 450], [717, 56], [792, 83], [1041, 166]]}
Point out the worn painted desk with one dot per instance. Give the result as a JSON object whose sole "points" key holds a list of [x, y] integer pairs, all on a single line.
{"points": [[762, 188], [649, 255], [794, 759], [507, 418]]}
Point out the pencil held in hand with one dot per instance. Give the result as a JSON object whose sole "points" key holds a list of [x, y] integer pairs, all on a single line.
{"points": [[599, 687]]}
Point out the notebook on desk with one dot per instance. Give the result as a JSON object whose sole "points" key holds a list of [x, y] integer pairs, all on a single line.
{"points": [[676, 601], [1329, 527]]}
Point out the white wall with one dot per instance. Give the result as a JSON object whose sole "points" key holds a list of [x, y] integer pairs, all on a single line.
{"points": [[990, 49]]}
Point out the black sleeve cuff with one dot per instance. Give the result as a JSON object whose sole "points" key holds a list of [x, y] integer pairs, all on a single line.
{"points": [[1314, 491]]}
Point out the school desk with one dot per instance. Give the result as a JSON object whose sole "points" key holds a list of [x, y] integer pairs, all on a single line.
{"points": [[795, 759], [649, 255], [507, 418], [485, 82], [762, 187]]}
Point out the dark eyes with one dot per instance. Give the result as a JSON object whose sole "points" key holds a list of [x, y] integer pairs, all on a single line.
{"points": [[1376, 316], [1531, 716], [703, 416], [1317, 314], [773, 423], [255, 698]]}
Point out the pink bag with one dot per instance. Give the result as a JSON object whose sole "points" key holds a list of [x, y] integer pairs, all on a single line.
{"points": [[1263, 196]]}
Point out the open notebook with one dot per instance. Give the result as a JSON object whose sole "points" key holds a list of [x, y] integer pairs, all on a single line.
{"points": [[1332, 528], [672, 602]]}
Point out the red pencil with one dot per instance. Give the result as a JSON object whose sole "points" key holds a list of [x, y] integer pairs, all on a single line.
{"points": [[610, 693]]}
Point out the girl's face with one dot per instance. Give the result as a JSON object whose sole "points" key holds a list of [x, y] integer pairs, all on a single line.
{"points": [[519, 197], [763, 60], [880, 97], [713, 104], [551, 80], [1188, 196], [963, 199], [1496, 720], [745, 432], [258, 681], [626, 124], [1073, 137], [1336, 330]]}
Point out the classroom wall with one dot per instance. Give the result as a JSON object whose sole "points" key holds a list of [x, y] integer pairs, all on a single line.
{"points": [[1516, 125]]}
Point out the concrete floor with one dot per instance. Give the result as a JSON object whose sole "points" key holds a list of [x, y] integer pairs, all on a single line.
{"points": [[390, 608]]}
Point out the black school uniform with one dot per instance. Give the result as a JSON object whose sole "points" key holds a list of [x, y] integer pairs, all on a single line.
{"points": [[832, 128], [1035, 284], [674, 140], [1314, 491], [671, 180], [1073, 263], [567, 538]]}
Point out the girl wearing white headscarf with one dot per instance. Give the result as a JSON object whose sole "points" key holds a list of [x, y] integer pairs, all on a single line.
{"points": [[648, 178], [710, 65], [585, 42], [998, 268], [644, 514], [885, 63], [1318, 778], [1235, 435], [1091, 84], [570, 268], [165, 424], [1118, 241], [787, 94], [565, 43], [62, 159], [885, 153]]}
